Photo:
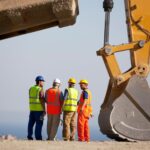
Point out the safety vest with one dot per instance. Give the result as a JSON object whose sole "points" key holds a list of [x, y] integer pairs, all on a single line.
{"points": [[53, 101], [70, 104], [87, 111], [34, 100]]}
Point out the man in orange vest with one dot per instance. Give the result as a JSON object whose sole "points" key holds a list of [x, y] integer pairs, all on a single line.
{"points": [[54, 100], [84, 112]]}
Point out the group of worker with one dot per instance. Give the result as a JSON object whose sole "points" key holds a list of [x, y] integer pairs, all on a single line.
{"points": [[58, 103]]}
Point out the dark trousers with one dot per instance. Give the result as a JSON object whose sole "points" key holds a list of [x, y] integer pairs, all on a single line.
{"points": [[35, 118]]}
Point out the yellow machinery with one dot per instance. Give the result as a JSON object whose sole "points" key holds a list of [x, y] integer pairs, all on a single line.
{"points": [[125, 112]]}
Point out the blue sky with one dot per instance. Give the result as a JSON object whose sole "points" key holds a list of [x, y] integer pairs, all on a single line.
{"points": [[60, 53]]}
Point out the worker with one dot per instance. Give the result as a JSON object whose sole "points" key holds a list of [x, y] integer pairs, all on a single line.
{"points": [[84, 112], [69, 111], [54, 100], [37, 109]]}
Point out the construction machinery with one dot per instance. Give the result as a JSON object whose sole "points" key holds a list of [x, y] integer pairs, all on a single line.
{"points": [[125, 112], [24, 16]]}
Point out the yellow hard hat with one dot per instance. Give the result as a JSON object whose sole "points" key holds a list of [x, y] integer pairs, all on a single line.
{"points": [[72, 80], [83, 81]]}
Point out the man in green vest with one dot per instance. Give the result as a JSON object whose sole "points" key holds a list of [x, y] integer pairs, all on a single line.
{"points": [[37, 109], [69, 111]]}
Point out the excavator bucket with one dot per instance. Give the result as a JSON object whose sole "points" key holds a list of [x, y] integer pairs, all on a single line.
{"points": [[125, 115], [23, 16], [125, 112]]}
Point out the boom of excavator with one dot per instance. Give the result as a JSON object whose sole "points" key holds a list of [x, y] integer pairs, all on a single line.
{"points": [[24, 16], [125, 112]]}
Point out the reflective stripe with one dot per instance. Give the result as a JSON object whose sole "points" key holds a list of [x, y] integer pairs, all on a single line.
{"points": [[33, 97], [70, 105], [35, 103], [53, 103], [72, 99]]}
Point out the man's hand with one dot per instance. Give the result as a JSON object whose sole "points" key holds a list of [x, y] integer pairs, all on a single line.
{"points": [[91, 115], [44, 113], [61, 111]]}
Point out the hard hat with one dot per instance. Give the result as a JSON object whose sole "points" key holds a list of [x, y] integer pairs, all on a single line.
{"points": [[83, 81], [72, 80], [39, 78], [57, 81]]}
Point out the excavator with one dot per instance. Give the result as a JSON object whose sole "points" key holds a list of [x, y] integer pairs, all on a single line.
{"points": [[125, 111]]}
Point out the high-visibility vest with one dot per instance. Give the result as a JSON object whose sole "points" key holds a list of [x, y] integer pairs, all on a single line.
{"points": [[70, 104], [87, 111], [34, 100], [53, 101]]}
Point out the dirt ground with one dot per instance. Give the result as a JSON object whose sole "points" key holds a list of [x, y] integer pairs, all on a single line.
{"points": [[61, 145]]}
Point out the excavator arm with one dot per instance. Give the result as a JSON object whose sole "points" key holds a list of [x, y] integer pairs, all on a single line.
{"points": [[125, 112], [138, 31]]}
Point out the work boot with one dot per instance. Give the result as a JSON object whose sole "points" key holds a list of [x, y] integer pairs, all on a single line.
{"points": [[51, 139], [65, 139], [29, 138], [72, 139]]}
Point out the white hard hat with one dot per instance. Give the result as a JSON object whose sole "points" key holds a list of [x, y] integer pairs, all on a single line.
{"points": [[57, 81]]}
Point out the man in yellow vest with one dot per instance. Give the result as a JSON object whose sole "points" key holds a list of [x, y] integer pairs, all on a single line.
{"points": [[84, 112], [69, 111], [37, 109]]}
